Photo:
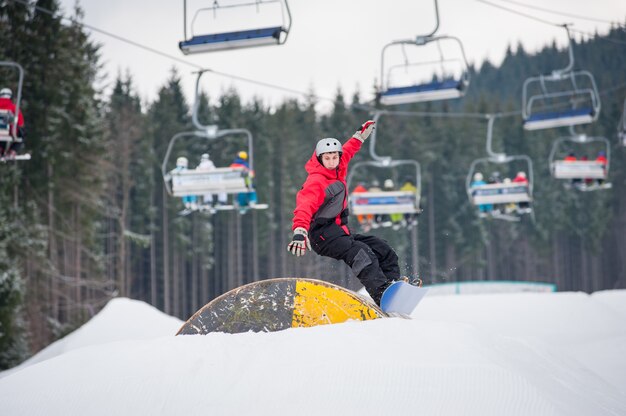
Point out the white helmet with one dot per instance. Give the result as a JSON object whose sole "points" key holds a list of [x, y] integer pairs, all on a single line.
{"points": [[478, 176], [388, 184], [521, 174], [6, 93], [205, 156], [327, 145], [182, 162]]}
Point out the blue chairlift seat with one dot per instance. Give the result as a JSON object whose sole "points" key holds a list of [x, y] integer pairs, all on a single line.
{"points": [[231, 40], [436, 90], [550, 119]]}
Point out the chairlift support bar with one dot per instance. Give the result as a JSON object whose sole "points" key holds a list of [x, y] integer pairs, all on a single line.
{"points": [[18, 100], [570, 51], [212, 130]]}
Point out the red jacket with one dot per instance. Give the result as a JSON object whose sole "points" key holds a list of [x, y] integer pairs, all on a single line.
{"points": [[324, 188], [7, 104]]}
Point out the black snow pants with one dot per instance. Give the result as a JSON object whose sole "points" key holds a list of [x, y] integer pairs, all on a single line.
{"points": [[371, 258]]}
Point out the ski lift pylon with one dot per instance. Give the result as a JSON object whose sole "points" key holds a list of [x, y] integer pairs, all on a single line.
{"points": [[219, 41], [543, 109], [419, 91]]}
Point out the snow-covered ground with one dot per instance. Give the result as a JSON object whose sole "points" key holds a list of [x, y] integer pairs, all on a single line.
{"points": [[507, 354]]}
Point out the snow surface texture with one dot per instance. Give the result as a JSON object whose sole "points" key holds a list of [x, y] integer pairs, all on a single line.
{"points": [[507, 354]]}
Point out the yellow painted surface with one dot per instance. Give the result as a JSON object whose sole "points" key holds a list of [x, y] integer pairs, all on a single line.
{"points": [[319, 304]]}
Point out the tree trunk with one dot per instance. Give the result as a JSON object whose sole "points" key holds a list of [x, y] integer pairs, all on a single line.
{"points": [[52, 248]]}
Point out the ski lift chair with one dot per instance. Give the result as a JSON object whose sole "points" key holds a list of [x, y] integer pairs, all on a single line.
{"points": [[8, 121], [229, 180], [444, 89], [503, 194], [547, 109], [576, 102], [385, 202], [273, 35], [416, 91], [580, 172], [485, 196]]}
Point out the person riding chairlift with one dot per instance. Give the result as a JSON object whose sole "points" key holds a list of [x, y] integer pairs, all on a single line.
{"points": [[245, 199], [6, 103]]}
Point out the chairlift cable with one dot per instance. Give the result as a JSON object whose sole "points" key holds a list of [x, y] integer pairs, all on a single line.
{"points": [[547, 22], [575, 16], [172, 57]]}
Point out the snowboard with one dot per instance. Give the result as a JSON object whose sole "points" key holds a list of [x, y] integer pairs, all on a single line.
{"points": [[401, 298]]}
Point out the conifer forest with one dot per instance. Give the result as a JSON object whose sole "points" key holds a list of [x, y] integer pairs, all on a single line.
{"points": [[88, 217]]}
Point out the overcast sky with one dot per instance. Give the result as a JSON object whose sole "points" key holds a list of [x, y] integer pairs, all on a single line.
{"points": [[333, 43]]}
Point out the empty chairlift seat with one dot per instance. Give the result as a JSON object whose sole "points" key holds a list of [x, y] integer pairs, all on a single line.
{"points": [[550, 119], [232, 40], [436, 90]]}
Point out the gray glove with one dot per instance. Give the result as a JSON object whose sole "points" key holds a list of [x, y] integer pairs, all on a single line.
{"points": [[365, 131], [300, 242]]}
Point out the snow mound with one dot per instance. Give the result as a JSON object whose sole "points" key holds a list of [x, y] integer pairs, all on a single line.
{"points": [[613, 299], [513, 354], [121, 319]]}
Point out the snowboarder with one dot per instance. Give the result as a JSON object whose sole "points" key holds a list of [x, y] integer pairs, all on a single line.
{"points": [[321, 213]]}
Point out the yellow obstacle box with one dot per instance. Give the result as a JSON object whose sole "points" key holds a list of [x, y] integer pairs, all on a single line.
{"points": [[277, 304]]}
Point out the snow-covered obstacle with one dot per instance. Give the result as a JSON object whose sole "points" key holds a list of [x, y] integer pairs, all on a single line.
{"points": [[277, 304]]}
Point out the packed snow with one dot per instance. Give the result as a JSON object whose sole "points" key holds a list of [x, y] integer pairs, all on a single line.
{"points": [[488, 354]]}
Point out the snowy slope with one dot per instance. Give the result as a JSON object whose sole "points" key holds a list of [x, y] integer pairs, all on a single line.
{"points": [[121, 319], [513, 354]]}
